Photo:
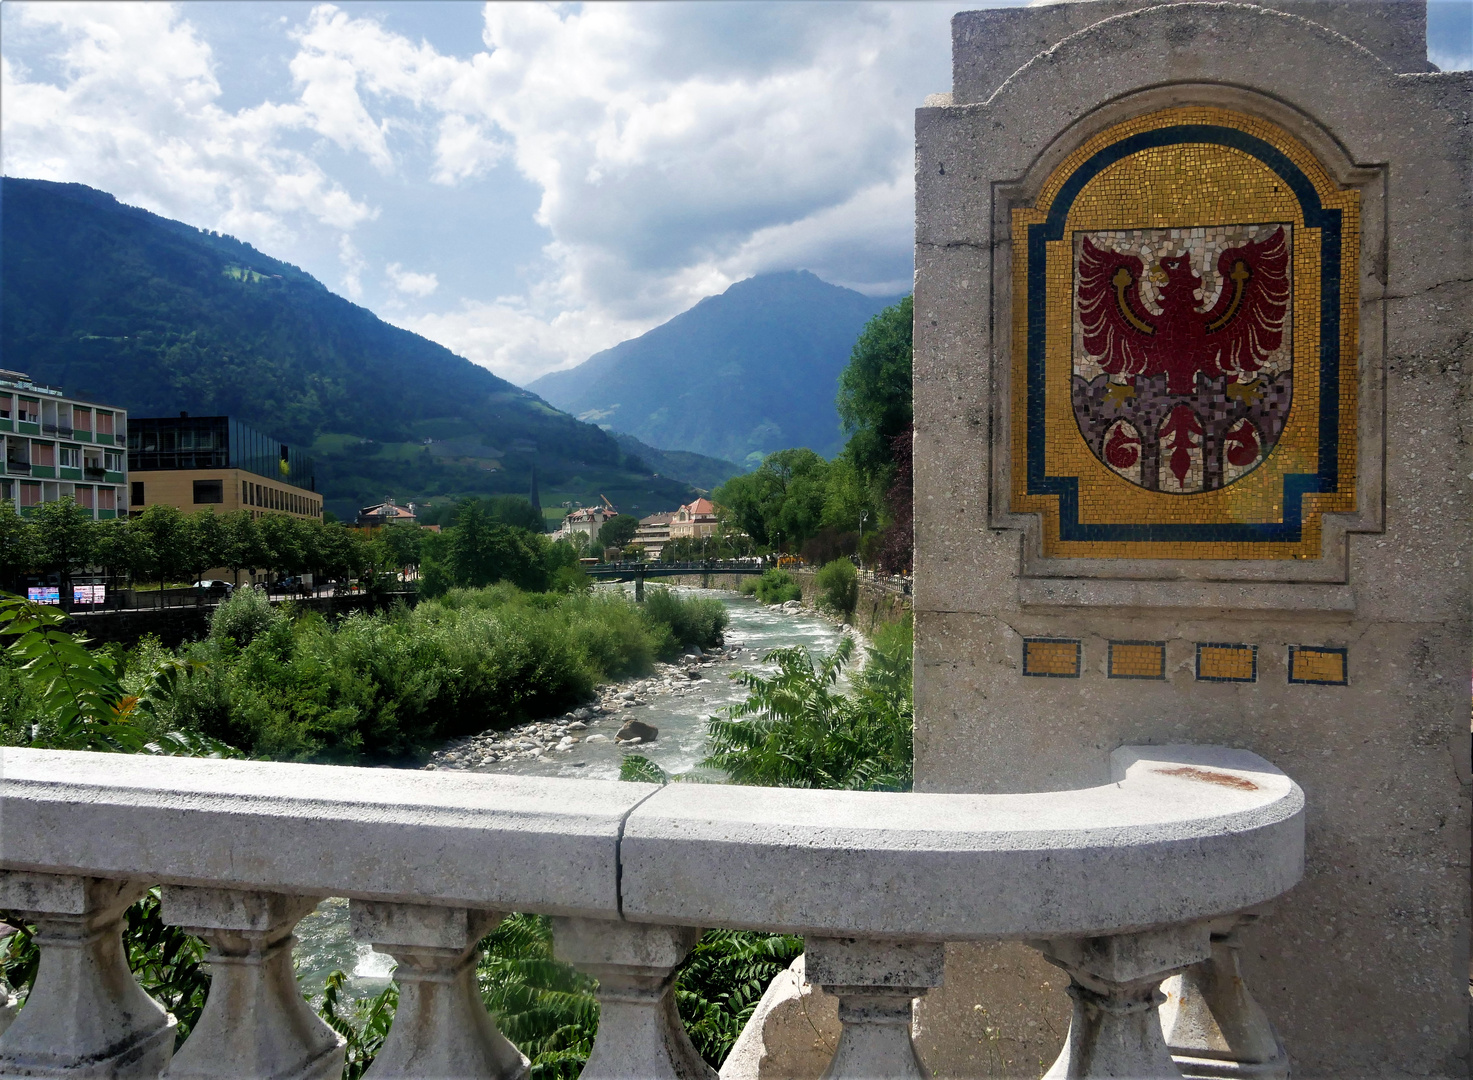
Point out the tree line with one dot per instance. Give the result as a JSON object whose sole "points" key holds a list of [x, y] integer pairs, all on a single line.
{"points": [[858, 503]]}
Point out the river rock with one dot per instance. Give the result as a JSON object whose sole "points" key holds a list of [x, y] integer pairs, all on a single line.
{"points": [[597, 738], [637, 729]]}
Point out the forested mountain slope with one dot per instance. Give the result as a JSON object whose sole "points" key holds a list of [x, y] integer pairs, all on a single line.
{"points": [[118, 304], [738, 376]]}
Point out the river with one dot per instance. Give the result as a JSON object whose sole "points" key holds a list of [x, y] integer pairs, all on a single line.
{"points": [[677, 704]]}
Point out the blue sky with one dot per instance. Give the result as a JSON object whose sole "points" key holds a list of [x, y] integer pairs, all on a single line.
{"points": [[525, 183]]}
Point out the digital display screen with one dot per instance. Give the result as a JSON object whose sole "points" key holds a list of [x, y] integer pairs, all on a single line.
{"points": [[89, 594], [43, 594]]}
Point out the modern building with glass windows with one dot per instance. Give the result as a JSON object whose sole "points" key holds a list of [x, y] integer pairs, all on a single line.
{"points": [[59, 447], [217, 463]]}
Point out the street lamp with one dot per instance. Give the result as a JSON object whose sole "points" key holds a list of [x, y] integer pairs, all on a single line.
{"points": [[863, 517]]}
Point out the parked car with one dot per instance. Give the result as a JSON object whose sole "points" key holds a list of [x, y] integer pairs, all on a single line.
{"points": [[215, 585]]}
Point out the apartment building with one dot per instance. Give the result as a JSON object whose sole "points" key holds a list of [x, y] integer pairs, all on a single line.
{"points": [[694, 520], [59, 447], [220, 464]]}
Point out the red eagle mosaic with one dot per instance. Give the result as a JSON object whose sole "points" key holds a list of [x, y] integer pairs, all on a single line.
{"points": [[1183, 364]]}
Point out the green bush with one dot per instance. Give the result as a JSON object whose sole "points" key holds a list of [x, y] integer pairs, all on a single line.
{"points": [[243, 616], [838, 587], [777, 587], [692, 620], [797, 730]]}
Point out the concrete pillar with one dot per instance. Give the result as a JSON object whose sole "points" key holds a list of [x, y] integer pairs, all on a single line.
{"points": [[441, 1027], [640, 1035], [255, 1023], [875, 982], [1115, 1030], [86, 1014]]}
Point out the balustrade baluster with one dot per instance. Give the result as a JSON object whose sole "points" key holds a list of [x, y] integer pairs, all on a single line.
{"points": [[86, 1015], [1213, 1026], [1115, 1030], [255, 1023], [876, 983], [640, 1034], [441, 1027]]}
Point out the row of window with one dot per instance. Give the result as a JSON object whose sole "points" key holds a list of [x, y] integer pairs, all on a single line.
{"points": [[62, 415], [212, 492], [26, 493], [21, 453]]}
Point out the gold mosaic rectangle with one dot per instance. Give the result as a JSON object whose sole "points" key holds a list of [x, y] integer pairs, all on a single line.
{"points": [[1317, 665], [1137, 660], [1051, 658], [1188, 192], [1223, 662]]}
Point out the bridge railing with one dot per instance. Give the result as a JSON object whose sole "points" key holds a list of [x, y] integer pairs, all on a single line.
{"points": [[1122, 885]]}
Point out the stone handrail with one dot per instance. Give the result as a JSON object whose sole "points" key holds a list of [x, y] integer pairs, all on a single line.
{"points": [[1122, 885]]}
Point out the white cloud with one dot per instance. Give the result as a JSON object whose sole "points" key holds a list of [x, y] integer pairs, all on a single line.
{"points": [[677, 148], [134, 111], [407, 281]]}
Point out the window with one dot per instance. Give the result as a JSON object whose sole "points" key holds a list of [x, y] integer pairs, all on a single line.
{"points": [[137, 497], [30, 411], [69, 458], [81, 418], [7, 403], [209, 491], [43, 453], [107, 498], [84, 497], [30, 493], [7, 490], [113, 462], [104, 422]]}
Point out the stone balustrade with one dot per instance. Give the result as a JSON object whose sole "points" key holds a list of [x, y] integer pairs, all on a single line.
{"points": [[1124, 886]]}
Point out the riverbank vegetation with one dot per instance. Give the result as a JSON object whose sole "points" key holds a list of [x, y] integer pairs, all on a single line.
{"points": [[286, 684]]}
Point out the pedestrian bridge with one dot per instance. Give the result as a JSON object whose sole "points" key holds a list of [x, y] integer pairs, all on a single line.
{"points": [[637, 572]]}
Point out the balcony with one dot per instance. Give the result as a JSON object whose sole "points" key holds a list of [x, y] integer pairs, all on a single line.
{"points": [[14, 466], [94, 472], [1122, 885]]}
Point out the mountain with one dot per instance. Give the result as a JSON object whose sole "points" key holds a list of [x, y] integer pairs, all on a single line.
{"points": [[738, 376], [706, 473], [123, 306]]}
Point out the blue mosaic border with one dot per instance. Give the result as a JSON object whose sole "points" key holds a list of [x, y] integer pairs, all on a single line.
{"points": [[1225, 645], [1296, 485], [1344, 654], [1160, 676]]}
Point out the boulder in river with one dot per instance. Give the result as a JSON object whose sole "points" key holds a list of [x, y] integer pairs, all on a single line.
{"points": [[637, 729]]}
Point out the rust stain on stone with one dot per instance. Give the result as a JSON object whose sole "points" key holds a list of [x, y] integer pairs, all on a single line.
{"points": [[1207, 776]]}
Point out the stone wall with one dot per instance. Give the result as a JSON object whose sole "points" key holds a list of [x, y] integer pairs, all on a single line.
{"points": [[881, 603]]}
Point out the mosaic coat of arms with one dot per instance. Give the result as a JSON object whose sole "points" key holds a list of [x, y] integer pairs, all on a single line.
{"points": [[1184, 380]]}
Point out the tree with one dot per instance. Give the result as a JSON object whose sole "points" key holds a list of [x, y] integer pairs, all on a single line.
{"points": [[206, 549], [516, 511], [875, 391], [281, 541], [781, 503], [16, 541], [63, 541], [618, 531], [166, 534], [240, 542], [402, 544], [482, 552], [122, 549]]}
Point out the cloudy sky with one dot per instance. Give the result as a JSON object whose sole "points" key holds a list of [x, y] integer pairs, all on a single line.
{"points": [[524, 183]]}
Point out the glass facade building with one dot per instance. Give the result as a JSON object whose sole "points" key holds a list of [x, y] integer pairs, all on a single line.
{"points": [[215, 442]]}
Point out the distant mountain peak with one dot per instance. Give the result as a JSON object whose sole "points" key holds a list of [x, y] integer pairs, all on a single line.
{"points": [[740, 374]]}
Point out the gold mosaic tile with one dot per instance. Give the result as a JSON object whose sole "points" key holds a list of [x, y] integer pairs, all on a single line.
{"points": [[1189, 458], [1137, 660], [1311, 664], [1220, 662], [1057, 658]]}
